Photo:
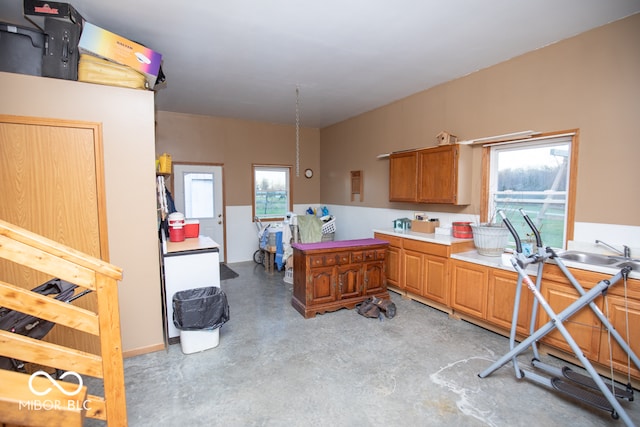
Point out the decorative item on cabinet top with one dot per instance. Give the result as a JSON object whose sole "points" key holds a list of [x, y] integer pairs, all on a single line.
{"points": [[445, 138]]}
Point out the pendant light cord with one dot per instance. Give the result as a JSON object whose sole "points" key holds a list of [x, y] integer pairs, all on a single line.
{"points": [[297, 131]]}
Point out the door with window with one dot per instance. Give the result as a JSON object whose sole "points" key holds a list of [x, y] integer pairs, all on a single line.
{"points": [[198, 194]]}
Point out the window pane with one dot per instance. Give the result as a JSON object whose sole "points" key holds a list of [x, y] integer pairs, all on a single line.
{"points": [[271, 191], [198, 195], [533, 177]]}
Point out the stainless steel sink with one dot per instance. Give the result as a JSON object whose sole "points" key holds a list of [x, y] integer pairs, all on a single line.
{"points": [[588, 258], [634, 264], [600, 260]]}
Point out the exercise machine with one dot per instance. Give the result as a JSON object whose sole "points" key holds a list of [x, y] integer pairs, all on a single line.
{"points": [[590, 389]]}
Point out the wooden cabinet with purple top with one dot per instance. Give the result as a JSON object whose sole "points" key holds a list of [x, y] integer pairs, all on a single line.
{"points": [[328, 276]]}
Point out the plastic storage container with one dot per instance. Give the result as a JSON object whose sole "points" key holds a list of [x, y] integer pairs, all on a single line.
{"points": [[191, 228]]}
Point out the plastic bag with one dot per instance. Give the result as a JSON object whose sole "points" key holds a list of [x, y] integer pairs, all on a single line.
{"points": [[200, 308]]}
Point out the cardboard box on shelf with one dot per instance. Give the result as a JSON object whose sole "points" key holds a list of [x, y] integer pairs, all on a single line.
{"points": [[105, 44], [36, 11], [428, 227], [62, 25]]}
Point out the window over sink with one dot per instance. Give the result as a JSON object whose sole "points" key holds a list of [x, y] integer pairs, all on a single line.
{"points": [[537, 175]]}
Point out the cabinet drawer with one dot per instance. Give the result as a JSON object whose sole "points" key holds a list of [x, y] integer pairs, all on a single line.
{"points": [[344, 258], [381, 254], [370, 255], [357, 256], [322, 260], [426, 247]]}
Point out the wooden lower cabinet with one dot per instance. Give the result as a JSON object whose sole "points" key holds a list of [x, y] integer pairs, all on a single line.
{"points": [[349, 281], [425, 270], [374, 277], [328, 276], [501, 296], [485, 295], [469, 284], [393, 260], [583, 326], [412, 272], [624, 316]]}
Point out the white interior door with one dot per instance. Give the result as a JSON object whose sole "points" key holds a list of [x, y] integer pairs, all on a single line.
{"points": [[198, 195]]}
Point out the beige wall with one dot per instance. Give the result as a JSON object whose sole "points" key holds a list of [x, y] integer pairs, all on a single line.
{"points": [[590, 82], [128, 139], [237, 144]]}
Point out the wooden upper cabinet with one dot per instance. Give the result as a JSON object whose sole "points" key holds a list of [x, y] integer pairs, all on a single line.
{"points": [[403, 176], [432, 175]]}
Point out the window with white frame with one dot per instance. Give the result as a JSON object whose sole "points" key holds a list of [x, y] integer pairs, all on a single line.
{"points": [[271, 191], [535, 176]]}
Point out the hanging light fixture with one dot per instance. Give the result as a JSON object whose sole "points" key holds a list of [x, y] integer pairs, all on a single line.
{"points": [[297, 131]]}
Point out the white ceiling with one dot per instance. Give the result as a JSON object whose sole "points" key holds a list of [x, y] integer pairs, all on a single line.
{"points": [[244, 58]]}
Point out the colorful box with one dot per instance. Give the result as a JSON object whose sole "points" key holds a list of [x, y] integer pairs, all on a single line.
{"points": [[105, 44]]}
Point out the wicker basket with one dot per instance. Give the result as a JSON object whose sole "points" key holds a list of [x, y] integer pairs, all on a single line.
{"points": [[490, 240]]}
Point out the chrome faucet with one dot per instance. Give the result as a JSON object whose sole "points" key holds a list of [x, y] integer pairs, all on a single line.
{"points": [[625, 253]]}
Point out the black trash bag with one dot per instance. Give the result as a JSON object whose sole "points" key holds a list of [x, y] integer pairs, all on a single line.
{"points": [[200, 308]]}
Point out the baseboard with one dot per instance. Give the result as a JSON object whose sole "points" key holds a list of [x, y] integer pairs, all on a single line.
{"points": [[143, 350]]}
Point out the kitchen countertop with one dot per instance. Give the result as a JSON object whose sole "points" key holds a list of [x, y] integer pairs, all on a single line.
{"points": [[490, 261], [441, 239], [192, 244], [504, 263]]}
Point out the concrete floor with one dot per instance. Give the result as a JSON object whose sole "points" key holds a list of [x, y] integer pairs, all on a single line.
{"points": [[274, 368]]}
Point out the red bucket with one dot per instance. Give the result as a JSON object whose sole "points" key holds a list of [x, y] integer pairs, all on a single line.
{"points": [[461, 230]]}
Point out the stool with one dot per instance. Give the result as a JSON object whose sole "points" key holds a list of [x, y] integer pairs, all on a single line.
{"points": [[269, 258]]}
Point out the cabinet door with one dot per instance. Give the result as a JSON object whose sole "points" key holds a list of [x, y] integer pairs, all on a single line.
{"points": [[469, 288], [321, 283], [392, 269], [392, 260], [501, 297], [438, 174], [436, 283], [583, 326], [403, 177], [374, 280], [622, 315], [412, 271], [350, 281]]}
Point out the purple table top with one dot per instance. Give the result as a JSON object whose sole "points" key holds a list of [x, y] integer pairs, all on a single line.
{"points": [[338, 244]]}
